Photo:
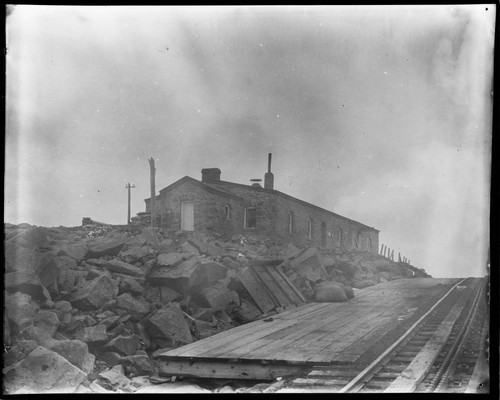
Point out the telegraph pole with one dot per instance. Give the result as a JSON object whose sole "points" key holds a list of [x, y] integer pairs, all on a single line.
{"points": [[129, 186], [153, 191]]}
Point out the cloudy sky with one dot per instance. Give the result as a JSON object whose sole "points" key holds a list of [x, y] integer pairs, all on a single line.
{"points": [[381, 114]]}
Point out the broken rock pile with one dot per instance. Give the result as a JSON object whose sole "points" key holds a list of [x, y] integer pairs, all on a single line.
{"points": [[89, 309]]}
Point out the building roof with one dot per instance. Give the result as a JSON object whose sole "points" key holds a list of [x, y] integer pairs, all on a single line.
{"points": [[232, 190]]}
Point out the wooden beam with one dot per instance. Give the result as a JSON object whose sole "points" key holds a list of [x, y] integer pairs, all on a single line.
{"points": [[227, 370], [294, 288]]}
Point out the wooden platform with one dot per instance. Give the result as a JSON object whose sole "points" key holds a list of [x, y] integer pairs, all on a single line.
{"points": [[311, 334]]}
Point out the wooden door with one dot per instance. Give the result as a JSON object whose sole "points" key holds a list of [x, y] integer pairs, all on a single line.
{"points": [[187, 216]]}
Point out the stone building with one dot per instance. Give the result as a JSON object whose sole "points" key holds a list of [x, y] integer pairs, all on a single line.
{"points": [[217, 205]]}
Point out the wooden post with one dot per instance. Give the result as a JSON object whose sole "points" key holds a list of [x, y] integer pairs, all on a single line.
{"points": [[153, 192], [128, 186]]}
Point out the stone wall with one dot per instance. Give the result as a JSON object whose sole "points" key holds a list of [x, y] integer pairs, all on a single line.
{"points": [[339, 232], [209, 208], [272, 216]]}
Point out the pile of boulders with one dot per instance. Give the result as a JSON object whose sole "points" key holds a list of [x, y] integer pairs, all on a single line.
{"points": [[89, 309]]}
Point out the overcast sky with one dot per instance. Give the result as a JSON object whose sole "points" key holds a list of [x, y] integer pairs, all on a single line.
{"points": [[381, 114]]}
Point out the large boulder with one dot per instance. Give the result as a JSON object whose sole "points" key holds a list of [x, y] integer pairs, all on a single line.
{"points": [[347, 267], [246, 312], [47, 321], [18, 351], [26, 282], [93, 294], [106, 247], [182, 277], [76, 251], [48, 270], [124, 345], [122, 267], [92, 334], [67, 275], [35, 237], [138, 365], [21, 311], [361, 284], [203, 329], [216, 296], [113, 379], [177, 276], [168, 328], [18, 258], [135, 254], [75, 351], [329, 292], [42, 371], [129, 284], [169, 259], [137, 307], [309, 264]]}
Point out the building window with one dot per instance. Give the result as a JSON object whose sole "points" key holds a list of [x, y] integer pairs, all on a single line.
{"points": [[290, 223], [339, 236], [357, 240], [250, 217], [228, 212], [310, 228]]}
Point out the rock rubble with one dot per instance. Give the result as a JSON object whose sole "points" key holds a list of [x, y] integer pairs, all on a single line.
{"points": [[88, 309]]}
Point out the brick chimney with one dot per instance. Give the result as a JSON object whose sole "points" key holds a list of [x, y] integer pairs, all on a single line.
{"points": [[210, 174], [269, 177]]}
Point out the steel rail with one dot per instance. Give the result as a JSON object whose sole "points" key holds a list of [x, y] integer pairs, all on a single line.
{"points": [[358, 382], [446, 368]]}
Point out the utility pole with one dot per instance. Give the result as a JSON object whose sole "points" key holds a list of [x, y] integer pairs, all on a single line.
{"points": [[153, 191], [129, 186]]}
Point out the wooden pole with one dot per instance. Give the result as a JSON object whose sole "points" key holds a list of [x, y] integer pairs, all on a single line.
{"points": [[153, 191], [128, 186]]}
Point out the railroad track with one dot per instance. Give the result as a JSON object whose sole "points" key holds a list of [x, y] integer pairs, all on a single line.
{"points": [[437, 353]]}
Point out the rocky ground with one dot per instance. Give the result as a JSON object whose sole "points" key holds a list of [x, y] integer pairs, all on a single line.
{"points": [[89, 309]]}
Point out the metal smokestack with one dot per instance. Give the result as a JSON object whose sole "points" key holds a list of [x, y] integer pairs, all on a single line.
{"points": [[268, 176]]}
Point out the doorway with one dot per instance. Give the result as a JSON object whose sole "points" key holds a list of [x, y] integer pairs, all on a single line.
{"points": [[187, 215], [323, 234]]}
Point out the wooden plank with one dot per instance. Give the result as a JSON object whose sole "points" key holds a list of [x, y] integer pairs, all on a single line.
{"points": [[361, 346], [274, 287], [319, 382], [322, 347], [244, 331], [286, 288], [235, 347], [336, 348], [280, 339], [226, 370], [294, 288], [259, 295], [271, 291]]}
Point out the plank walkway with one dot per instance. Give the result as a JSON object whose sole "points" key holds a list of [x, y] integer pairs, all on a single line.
{"points": [[311, 334]]}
